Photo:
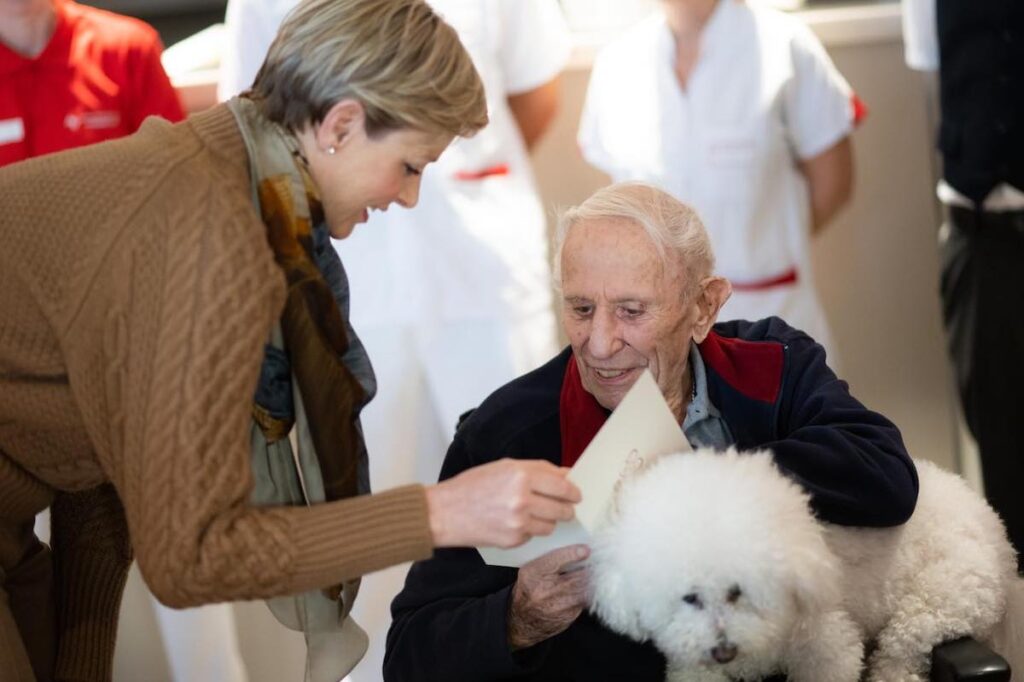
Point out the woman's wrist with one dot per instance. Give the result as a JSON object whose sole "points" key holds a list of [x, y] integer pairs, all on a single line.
{"points": [[435, 513]]}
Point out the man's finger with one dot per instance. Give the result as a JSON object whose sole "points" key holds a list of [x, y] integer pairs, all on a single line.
{"points": [[558, 560], [575, 564]]}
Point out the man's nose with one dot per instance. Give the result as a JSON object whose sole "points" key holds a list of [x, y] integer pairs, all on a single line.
{"points": [[605, 340]]}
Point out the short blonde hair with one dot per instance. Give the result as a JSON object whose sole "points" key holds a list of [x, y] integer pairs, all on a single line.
{"points": [[397, 57], [674, 228]]}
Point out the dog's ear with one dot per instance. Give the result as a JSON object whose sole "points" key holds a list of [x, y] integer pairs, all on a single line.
{"points": [[612, 600], [814, 578], [804, 558]]}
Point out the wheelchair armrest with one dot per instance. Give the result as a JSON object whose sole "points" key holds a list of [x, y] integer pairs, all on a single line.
{"points": [[967, 659]]}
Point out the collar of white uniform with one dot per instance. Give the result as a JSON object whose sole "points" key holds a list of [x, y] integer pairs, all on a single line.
{"points": [[713, 36]]}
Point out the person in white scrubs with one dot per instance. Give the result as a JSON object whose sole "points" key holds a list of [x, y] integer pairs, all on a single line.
{"points": [[453, 298], [734, 108]]}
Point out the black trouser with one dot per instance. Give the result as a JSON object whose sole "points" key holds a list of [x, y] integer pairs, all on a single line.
{"points": [[983, 309]]}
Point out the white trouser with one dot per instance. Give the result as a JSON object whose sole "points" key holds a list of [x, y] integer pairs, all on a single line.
{"points": [[406, 442], [201, 643]]}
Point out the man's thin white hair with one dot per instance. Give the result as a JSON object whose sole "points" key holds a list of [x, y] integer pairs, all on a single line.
{"points": [[674, 227]]}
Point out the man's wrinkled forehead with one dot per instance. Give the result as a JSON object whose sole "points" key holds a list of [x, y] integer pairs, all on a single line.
{"points": [[624, 246]]}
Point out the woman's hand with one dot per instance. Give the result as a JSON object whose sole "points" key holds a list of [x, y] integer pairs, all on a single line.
{"points": [[500, 504]]}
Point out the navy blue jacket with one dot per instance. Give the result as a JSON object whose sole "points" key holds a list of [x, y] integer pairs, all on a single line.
{"points": [[774, 390]]}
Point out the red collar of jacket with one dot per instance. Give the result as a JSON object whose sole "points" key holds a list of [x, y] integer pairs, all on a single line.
{"points": [[752, 368]]}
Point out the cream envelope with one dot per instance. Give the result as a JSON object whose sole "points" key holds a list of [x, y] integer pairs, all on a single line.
{"points": [[641, 428]]}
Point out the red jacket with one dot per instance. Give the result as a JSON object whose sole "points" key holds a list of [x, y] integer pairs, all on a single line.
{"points": [[97, 79]]}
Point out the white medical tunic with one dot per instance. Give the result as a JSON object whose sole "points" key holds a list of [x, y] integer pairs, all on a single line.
{"points": [[762, 96], [468, 266]]}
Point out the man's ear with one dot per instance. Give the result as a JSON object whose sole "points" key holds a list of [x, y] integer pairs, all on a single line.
{"points": [[345, 118], [713, 293]]}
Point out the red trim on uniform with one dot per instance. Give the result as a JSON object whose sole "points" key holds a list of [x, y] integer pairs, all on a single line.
{"points": [[860, 110], [499, 169], [754, 368], [580, 416], [788, 277]]}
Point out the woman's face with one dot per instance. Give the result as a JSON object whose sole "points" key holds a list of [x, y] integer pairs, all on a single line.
{"points": [[363, 172]]}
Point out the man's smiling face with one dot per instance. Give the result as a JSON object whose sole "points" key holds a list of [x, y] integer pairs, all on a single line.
{"points": [[624, 310]]}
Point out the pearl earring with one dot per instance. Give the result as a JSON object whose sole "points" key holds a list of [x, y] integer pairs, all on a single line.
{"points": [[331, 149]]}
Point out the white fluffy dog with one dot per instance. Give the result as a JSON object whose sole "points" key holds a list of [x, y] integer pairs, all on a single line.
{"points": [[717, 559]]}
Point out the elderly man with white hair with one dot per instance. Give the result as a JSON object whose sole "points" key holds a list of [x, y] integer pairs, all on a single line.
{"points": [[635, 269]]}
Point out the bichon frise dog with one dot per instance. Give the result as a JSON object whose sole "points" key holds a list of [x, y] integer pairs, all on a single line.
{"points": [[717, 560]]}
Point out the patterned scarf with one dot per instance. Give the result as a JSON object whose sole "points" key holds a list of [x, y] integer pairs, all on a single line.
{"points": [[316, 336]]}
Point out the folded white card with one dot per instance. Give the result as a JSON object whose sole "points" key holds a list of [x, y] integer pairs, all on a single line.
{"points": [[565, 534], [641, 428]]}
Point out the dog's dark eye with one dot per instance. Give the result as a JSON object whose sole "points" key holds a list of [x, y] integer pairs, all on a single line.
{"points": [[693, 600], [733, 595]]}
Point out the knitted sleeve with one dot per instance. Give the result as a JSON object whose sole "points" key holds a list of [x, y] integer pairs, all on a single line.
{"points": [[92, 555], [180, 310]]}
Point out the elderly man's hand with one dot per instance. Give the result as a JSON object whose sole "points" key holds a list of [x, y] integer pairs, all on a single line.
{"points": [[500, 504], [547, 597]]}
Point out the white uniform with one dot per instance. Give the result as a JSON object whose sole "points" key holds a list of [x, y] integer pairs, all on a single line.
{"points": [[763, 95], [453, 298]]}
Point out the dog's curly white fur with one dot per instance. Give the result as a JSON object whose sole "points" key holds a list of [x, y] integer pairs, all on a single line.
{"points": [[717, 559]]}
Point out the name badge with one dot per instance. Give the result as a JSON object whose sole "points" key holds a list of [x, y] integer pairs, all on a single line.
{"points": [[12, 130], [92, 120]]}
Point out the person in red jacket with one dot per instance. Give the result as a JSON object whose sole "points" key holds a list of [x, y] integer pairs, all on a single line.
{"points": [[72, 75]]}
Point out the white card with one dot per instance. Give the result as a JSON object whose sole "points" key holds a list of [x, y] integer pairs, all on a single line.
{"points": [[566, 533], [641, 428]]}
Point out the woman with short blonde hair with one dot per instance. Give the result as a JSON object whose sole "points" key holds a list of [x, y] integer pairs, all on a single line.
{"points": [[172, 316], [326, 51]]}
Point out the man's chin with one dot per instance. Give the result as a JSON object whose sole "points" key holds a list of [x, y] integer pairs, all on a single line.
{"points": [[607, 399]]}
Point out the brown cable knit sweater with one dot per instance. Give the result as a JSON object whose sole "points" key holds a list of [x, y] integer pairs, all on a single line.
{"points": [[136, 293]]}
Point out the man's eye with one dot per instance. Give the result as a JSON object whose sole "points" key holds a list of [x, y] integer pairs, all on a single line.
{"points": [[582, 310], [632, 312], [412, 170]]}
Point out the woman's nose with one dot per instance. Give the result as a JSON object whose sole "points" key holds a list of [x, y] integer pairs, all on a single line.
{"points": [[410, 194]]}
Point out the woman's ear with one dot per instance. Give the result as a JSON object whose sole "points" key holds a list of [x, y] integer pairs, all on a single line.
{"points": [[712, 295], [343, 120]]}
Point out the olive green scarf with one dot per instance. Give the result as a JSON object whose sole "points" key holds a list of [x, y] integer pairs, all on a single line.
{"points": [[315, 335]]}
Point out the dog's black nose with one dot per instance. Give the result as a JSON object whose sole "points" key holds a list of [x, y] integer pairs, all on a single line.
{"points": [[724, 652]]}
